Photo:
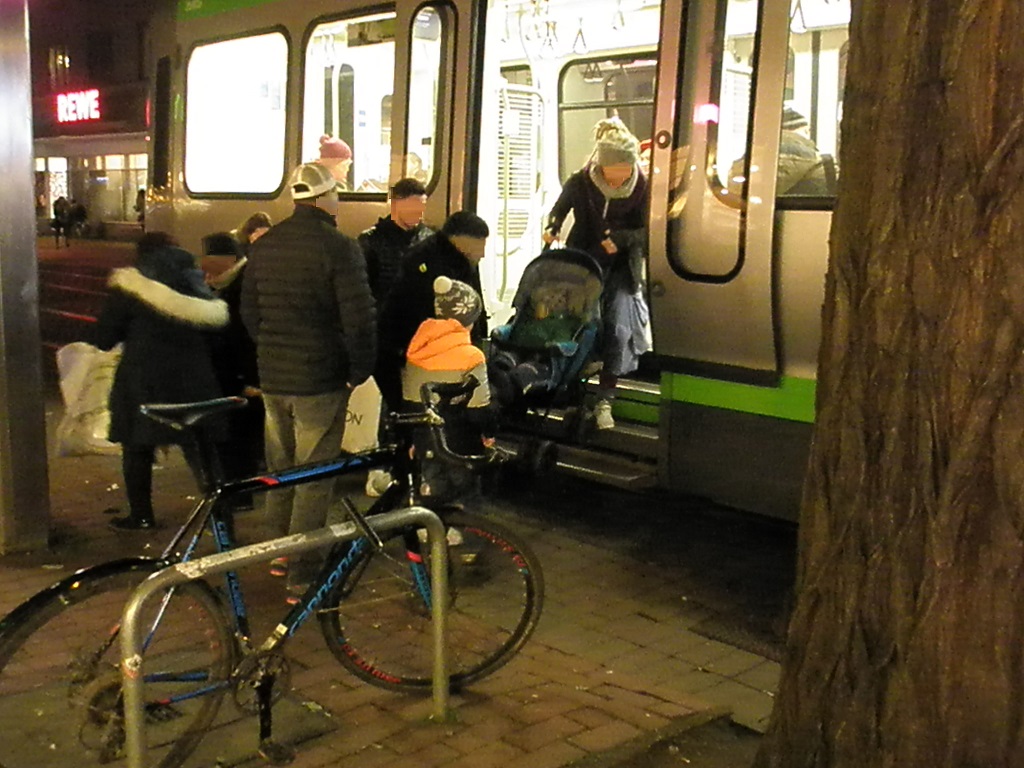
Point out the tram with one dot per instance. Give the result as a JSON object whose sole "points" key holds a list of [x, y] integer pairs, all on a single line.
{"points": [[492, 103]]}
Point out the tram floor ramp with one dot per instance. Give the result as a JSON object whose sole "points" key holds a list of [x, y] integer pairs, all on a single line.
{"points": [[706, 739], [587, 463]]}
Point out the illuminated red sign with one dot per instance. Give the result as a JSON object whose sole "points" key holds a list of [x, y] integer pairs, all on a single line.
{"points": [[78, 106]]}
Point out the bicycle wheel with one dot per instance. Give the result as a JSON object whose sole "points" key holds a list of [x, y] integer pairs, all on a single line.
{"points": [[60, 679], [378, 625]]}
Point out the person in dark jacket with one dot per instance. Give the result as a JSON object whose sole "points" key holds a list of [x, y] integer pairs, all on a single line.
{"points": [[164, 314], [608, 198], [454, 252], [385, 243], [61, 219], [384, 246], [235, 362], [307, 303]]}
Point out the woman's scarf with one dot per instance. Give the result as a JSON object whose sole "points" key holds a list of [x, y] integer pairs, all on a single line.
{"points": [[613, 193]]}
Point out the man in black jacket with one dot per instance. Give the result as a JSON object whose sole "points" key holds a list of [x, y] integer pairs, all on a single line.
{"points": [[454, 252], [307, 304], [385, 243]]}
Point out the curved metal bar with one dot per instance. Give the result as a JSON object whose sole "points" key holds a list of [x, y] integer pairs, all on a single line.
{"points": [[131, 645]]}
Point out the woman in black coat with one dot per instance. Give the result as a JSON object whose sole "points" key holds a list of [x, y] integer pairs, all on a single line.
{"points": [[163, 313], [608, 199]]}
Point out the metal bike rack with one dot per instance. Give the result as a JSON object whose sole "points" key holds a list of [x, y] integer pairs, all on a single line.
{"points": [[131, 651]]}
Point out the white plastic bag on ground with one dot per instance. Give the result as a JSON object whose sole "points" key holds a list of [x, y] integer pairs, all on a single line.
{"points": [[362, 418], [86, 376]]}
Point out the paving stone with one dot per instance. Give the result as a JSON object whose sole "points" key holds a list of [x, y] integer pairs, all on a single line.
{"points": [[612, 658], [605, 736]]}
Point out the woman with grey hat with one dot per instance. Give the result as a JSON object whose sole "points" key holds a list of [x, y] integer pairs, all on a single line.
{"points": [[608, 198]]}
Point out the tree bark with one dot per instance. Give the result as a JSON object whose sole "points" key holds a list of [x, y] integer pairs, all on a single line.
{"points": [[906, 647]]}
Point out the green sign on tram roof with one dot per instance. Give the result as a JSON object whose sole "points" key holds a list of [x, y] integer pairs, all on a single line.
{"points": [[193, 9]]}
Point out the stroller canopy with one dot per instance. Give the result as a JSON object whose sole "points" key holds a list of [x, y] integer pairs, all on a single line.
{"points": [[560, 282]]}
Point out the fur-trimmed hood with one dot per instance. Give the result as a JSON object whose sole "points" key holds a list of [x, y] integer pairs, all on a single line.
{"points": [[201, 313]]}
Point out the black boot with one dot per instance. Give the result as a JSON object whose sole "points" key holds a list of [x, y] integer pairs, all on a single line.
{"points": [[129, 523]]}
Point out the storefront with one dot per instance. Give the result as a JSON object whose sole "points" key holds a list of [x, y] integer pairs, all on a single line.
{"points": [[91, 148]]}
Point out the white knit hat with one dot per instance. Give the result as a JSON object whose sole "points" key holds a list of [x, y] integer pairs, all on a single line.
{"points": [[614, 143], [456, 300]]}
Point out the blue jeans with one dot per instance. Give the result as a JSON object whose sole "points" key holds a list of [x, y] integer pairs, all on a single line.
{"points": [[300, 429]]}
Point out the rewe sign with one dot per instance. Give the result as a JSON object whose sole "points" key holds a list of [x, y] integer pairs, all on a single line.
{"points": [[77, 106]]}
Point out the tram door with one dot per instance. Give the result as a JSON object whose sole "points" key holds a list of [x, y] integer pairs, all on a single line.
{"points": [[743, 183], [436, 99], [551, 70]]}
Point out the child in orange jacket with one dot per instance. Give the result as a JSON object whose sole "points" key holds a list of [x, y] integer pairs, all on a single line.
{"points": [[442, 351]]}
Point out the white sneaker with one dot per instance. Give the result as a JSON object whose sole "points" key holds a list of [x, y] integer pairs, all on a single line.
{"points": [[377, 482], [603, 415]]}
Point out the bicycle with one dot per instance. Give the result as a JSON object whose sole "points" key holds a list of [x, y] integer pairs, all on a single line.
{"points": [[59, 655]]}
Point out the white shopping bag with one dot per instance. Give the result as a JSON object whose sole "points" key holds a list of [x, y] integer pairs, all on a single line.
{"points": [[86, 376], [363, 416]]}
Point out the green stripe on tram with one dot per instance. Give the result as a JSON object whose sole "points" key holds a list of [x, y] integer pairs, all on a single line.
{"points": [[792, 400], [194, 9]]}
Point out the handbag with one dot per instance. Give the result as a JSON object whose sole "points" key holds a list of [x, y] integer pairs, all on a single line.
{"points": [[86, 377]]}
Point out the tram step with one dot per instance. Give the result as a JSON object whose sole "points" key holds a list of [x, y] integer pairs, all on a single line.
{"points": [[617, 471], [629, 438], [598, 466]]}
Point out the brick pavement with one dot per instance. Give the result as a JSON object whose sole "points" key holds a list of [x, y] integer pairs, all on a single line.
{"points": [[613, 662]]}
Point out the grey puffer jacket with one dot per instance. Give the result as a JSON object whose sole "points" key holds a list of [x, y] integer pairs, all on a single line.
{"points": [[307, 304]]}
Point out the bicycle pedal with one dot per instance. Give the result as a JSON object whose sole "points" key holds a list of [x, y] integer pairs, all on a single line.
{"points": [[161, 713]]}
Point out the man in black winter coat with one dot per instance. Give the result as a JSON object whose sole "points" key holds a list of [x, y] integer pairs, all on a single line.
{"points": [[307, 304], [386, 243], [454, 252]]}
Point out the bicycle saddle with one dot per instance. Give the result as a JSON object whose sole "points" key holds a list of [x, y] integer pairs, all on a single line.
{"points": [[182, 415]]}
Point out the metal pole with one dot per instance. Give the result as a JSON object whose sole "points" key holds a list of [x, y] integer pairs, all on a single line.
{"points": [[24, 487], [132, 662]]}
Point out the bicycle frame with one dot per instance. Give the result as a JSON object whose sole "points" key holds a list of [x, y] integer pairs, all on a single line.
{"points": [[211, 511], [170, 577]]}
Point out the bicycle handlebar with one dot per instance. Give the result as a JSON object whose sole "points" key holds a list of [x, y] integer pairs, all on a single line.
{"points": [[433, 394]]}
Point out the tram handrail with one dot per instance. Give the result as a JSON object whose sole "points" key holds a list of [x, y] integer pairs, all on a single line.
{"points": [[179, 573]]}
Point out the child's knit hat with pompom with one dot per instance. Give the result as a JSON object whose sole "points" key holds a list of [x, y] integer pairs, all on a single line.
{"points": [[456, 300]]}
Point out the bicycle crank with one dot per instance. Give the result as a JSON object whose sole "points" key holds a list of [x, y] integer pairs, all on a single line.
{"points": [[253, 671]]}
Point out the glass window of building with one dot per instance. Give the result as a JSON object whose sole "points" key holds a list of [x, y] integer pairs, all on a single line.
{"points": [[59, 64], [235, 115], [350, 68], [58, 177]]}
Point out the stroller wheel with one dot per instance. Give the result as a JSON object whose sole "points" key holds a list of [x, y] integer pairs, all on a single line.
{"points": [[544, 457], [574, 422]]}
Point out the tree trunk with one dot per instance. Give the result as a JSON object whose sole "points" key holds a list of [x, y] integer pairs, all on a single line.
{"points": [[906, 647]]}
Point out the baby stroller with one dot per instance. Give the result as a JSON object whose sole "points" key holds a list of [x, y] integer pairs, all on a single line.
{"points": [[541, 358]]}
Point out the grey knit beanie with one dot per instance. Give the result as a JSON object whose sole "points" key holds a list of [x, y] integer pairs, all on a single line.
{"points": [[614, 143], [456, 300]]}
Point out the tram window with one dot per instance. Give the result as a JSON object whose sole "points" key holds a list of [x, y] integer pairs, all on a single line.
{"points": [[598, 88], [235, 115], [350, 68], [735, 94], [812, 94], [426, 63], [518, 75], [809, 140]]}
